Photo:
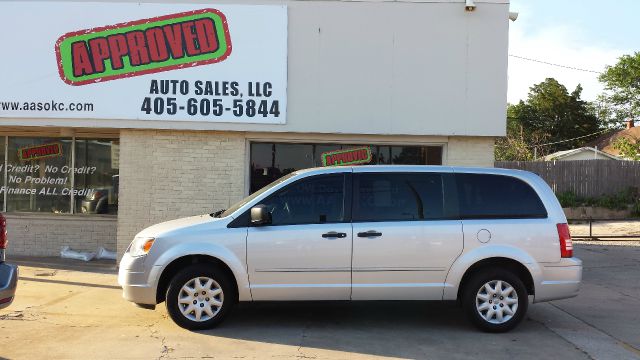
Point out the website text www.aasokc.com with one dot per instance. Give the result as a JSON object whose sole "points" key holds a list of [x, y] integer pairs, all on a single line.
{"points": [[44, 106]]}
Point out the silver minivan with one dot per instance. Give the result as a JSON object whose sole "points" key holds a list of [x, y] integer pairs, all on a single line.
{"points": [[492, 239]]}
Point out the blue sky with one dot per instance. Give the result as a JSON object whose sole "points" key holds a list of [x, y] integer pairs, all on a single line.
{"points": [[587, 34]]}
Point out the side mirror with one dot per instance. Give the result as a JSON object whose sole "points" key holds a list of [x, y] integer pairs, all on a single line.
{"points": [[260, 215]]}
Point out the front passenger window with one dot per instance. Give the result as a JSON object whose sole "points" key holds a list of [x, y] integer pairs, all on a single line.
{"points": [[316, 200]]}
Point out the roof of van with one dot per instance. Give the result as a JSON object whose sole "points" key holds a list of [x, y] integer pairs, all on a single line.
{"points": [[417, 168]]}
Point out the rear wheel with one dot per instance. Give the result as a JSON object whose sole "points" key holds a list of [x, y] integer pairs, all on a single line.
{"points": [[199, 297], [495, 300]]}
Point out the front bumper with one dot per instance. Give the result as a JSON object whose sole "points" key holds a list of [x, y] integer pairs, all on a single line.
{"points": [[559, 281], [8, 284], [137, 284]]}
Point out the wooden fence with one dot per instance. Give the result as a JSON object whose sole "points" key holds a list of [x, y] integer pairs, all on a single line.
{"points": [[585, 178]]}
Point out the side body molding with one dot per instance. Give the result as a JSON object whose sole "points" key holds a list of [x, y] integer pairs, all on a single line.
{"points": [[468, 259]]}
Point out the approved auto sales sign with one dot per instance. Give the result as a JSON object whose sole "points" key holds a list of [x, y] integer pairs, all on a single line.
{"points": [[143, 46], [133, 61]]}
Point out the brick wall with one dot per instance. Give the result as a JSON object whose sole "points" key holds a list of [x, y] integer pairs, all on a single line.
{"points": [[170, 174], [44, 235], [470, 151]]}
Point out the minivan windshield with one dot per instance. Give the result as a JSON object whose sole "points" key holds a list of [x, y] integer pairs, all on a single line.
{"points": [[244, 201]]}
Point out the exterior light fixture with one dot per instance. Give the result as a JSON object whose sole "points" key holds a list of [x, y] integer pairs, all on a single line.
{"points": [[469, 5]]}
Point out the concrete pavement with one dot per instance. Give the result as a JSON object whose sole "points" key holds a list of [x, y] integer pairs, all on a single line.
{"points": [[64, 312]]}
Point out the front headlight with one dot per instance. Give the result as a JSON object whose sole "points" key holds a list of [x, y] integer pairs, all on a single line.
{"points": [[140, 246]]}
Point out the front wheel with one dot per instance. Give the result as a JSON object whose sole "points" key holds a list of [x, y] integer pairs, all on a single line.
{"points": [[495, 300], [199, 297]]}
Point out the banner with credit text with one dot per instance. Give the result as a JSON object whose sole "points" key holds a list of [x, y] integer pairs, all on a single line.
{"points": [[141, 61]]}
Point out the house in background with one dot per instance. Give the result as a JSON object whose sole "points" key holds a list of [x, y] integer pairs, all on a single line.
{"points": [[605, 142], [583, 153]]}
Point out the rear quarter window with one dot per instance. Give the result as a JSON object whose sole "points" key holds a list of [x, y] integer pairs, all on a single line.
{"points": [[487, 196]]}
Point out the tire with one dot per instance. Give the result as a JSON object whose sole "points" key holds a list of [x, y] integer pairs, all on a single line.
{"points": [[487, 303], [202, 311]]}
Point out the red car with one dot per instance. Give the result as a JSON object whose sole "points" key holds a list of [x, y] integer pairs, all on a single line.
{"points": [[8, 273]]}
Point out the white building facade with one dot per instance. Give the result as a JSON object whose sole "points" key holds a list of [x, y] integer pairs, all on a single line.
{"points": [[172, 110]]}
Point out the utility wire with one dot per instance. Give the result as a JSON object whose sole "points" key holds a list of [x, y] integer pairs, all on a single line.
{"points": [[552, 64], [576, 138], [613, 121]]}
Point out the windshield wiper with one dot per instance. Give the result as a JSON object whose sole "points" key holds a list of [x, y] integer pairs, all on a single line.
{"points": [[216, 214]]}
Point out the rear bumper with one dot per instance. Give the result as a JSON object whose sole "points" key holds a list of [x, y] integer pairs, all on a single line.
{"points": [[559, 281], [8, 284], [89, 207]]}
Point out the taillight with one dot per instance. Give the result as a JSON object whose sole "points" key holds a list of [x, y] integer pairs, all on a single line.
{"points": [[96, 195], [3, 232], [566, 245]]}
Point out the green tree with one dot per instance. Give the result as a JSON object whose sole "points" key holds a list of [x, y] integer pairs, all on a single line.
{"points": [[512, 149], [628, 149], [550, 114], [515, 146], [622, 87]]}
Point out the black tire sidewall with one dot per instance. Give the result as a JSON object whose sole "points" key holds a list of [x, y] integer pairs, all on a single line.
{"points": [[185, 275], [469, 299]]}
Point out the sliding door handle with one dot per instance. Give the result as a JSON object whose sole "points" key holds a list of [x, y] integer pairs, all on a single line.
{"points": [[370, 233], [333, 235]]}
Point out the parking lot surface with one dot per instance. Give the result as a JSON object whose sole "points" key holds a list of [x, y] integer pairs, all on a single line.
{"points": [[75, 311]]}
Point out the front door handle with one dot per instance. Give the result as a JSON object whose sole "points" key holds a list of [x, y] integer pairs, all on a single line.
{"points": [[333, 235], [370, 233]]}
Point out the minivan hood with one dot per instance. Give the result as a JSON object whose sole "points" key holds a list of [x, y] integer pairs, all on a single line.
{"points": [[167, 226]]}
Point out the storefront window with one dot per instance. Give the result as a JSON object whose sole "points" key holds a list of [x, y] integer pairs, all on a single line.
{"points": [[39, 175], [270, 161], [96, 178], [47, 175]]}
